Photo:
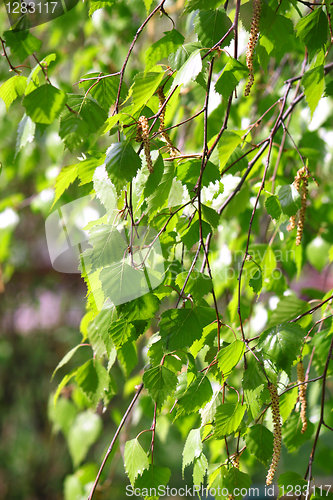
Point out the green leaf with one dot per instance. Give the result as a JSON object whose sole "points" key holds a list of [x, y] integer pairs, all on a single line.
{"points": [[288, 307], [151, 480], [135, 459], [256, 281], [287, 403], [22, 43], [211, 26], [312, 30], [236, 159], [276, 35], [314, 82], [253, 385], [88, 109], [143, 88], [227, 145], [65, 359], [62, 415], [86, 168], [292, 436], [25, 133], [65, 178], [273, 207], [228, 357], [96, 5], [105, 191], [329, 89], [101, 324], [83, 433], [142, 308], [321, 342], [73, 487], [281, 344], [317, 252], [73, 130], [158, 198], [104, 90], [198, 284], [191, 235], [192, 5], [162, 48], [192, 449], [179, 328], [160, 382], [93, 379], [259, 441], [189, 171], [228, 418], [290, 479], [148, 4], [210, 215], [62, 384], [120, 331], [237, 479], [200, 468], [190, 69], [122, 163], [231, 75], [208, 412], [12, 88], [196, 396], [177, 59], [121, 282], [128, 357], [44, 104], [289, 199], [155, 177]]}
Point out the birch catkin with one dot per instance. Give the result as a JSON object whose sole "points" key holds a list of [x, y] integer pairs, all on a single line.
{"points": [[142, 134], [252, 43], [301, 394], [301, 177], [301, 219], [276, 432]]}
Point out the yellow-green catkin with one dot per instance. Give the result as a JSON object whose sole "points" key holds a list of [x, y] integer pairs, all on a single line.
{"points": [[301, 177], [301, 394], [276, 432], [252, 43], [143, 135], [300, 224]]}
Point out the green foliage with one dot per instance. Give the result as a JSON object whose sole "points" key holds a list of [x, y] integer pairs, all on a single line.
{"points": [[135, 459], [259, 441], [193, 306], [44, 104], [12, 88], [281, 344]]}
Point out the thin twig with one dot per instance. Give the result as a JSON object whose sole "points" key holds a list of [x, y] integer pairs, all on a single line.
{"points": [[123, 420]]}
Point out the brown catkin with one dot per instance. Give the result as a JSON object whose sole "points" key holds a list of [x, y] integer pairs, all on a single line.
{"points": [[276, 432], [301, 394], [161, 97], [2, 286], [300, 224], [143, 132], [235, 460], [301, 177], [252, 43]]}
